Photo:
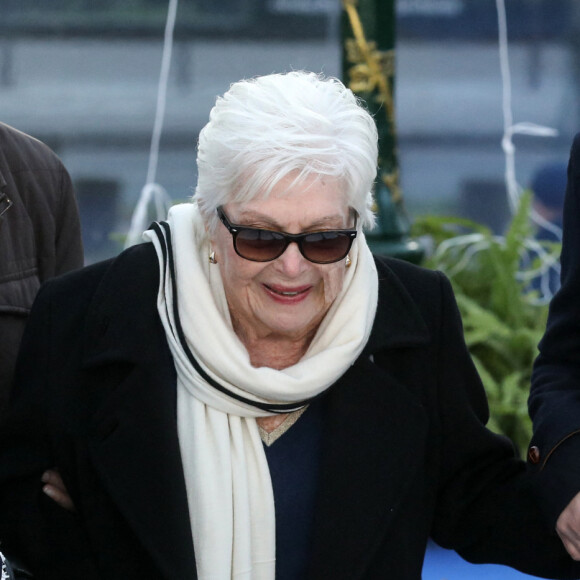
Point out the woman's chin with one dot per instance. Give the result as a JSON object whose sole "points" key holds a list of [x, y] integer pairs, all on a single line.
{"points": [[292, 324]]}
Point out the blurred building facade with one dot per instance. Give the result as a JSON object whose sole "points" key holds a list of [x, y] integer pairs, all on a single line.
{"points": [[83, 77]]}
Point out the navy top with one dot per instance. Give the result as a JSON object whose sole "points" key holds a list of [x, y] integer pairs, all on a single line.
{"points": [[294, 461]]}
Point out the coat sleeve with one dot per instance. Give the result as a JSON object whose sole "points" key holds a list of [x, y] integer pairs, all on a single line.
{"points": [[34, 530], [554, 402], [486, 508]]}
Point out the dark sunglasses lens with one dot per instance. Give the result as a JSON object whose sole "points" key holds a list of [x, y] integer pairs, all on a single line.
{"points": [[326, 247], [259, 245]]}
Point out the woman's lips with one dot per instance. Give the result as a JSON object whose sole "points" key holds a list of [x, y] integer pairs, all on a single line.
{"points": [[288, 295]]}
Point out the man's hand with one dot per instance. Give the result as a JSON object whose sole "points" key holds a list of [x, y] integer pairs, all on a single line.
{"points": [[54, 488], [568, 527]]}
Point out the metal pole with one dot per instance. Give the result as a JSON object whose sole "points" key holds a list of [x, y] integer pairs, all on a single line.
{"points": [[368, 33]]}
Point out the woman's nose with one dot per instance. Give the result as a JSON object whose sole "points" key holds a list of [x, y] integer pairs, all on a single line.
{"points": [[292, 262]]}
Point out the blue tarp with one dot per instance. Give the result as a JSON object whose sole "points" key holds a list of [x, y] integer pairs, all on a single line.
{"points": [[441, 564]]}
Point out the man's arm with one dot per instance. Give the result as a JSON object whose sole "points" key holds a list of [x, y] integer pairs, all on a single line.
{"points": [[554, 402]]}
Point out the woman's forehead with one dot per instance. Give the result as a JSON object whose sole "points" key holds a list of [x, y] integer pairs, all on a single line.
{"points": [[320, 203]]}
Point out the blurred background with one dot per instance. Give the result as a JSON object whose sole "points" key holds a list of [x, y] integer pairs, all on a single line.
{"points": [[83, 77]]}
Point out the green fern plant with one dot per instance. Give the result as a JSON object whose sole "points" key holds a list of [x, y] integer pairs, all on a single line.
{"points": [[502, 317]]}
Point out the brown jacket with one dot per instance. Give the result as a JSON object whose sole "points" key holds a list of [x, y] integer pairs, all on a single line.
{"points": [[39, 235]]}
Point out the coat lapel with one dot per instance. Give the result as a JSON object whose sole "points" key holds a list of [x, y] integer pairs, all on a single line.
{"points": [[365, 469], [373, 422], [134, 443]]}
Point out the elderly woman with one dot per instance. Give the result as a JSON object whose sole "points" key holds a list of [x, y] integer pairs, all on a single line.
{"points": [[251, 394]]}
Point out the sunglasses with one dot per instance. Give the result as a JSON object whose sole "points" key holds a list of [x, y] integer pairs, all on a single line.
{"points": [[258, 245]]}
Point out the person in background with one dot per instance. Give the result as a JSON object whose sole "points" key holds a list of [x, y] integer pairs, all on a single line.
{"points": [[251, 393], [40, 236], [548, 187], [554, 402]]}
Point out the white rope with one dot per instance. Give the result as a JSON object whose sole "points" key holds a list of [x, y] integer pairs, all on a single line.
{"points": [[460, 251], [152, 191], [514, 190]]}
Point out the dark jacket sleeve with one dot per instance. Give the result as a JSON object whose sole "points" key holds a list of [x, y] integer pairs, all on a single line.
{"points": [[33, 528], [554, 402], [486, 508]]}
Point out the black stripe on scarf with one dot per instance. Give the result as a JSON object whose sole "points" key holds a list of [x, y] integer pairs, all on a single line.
{"points": [[163, 232]]}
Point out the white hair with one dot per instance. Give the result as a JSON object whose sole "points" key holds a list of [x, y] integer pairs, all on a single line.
{"points": [[298, 123]]}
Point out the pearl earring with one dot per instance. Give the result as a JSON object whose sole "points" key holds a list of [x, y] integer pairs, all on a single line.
{"points": [[347, 262]]}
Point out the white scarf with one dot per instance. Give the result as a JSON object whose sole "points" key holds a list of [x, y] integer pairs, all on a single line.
{"points": [[229, 491]]}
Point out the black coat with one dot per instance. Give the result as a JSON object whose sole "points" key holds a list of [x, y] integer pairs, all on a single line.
{"points": [[405, 451], [554, 402], [40, 235]]}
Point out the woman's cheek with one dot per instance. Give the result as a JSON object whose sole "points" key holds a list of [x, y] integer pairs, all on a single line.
{"points": [[333, 282]]}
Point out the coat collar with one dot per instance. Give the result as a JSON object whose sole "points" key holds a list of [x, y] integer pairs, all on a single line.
{"points": [[122, 316], [366, 468], [398, 322], [135, 430]]}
